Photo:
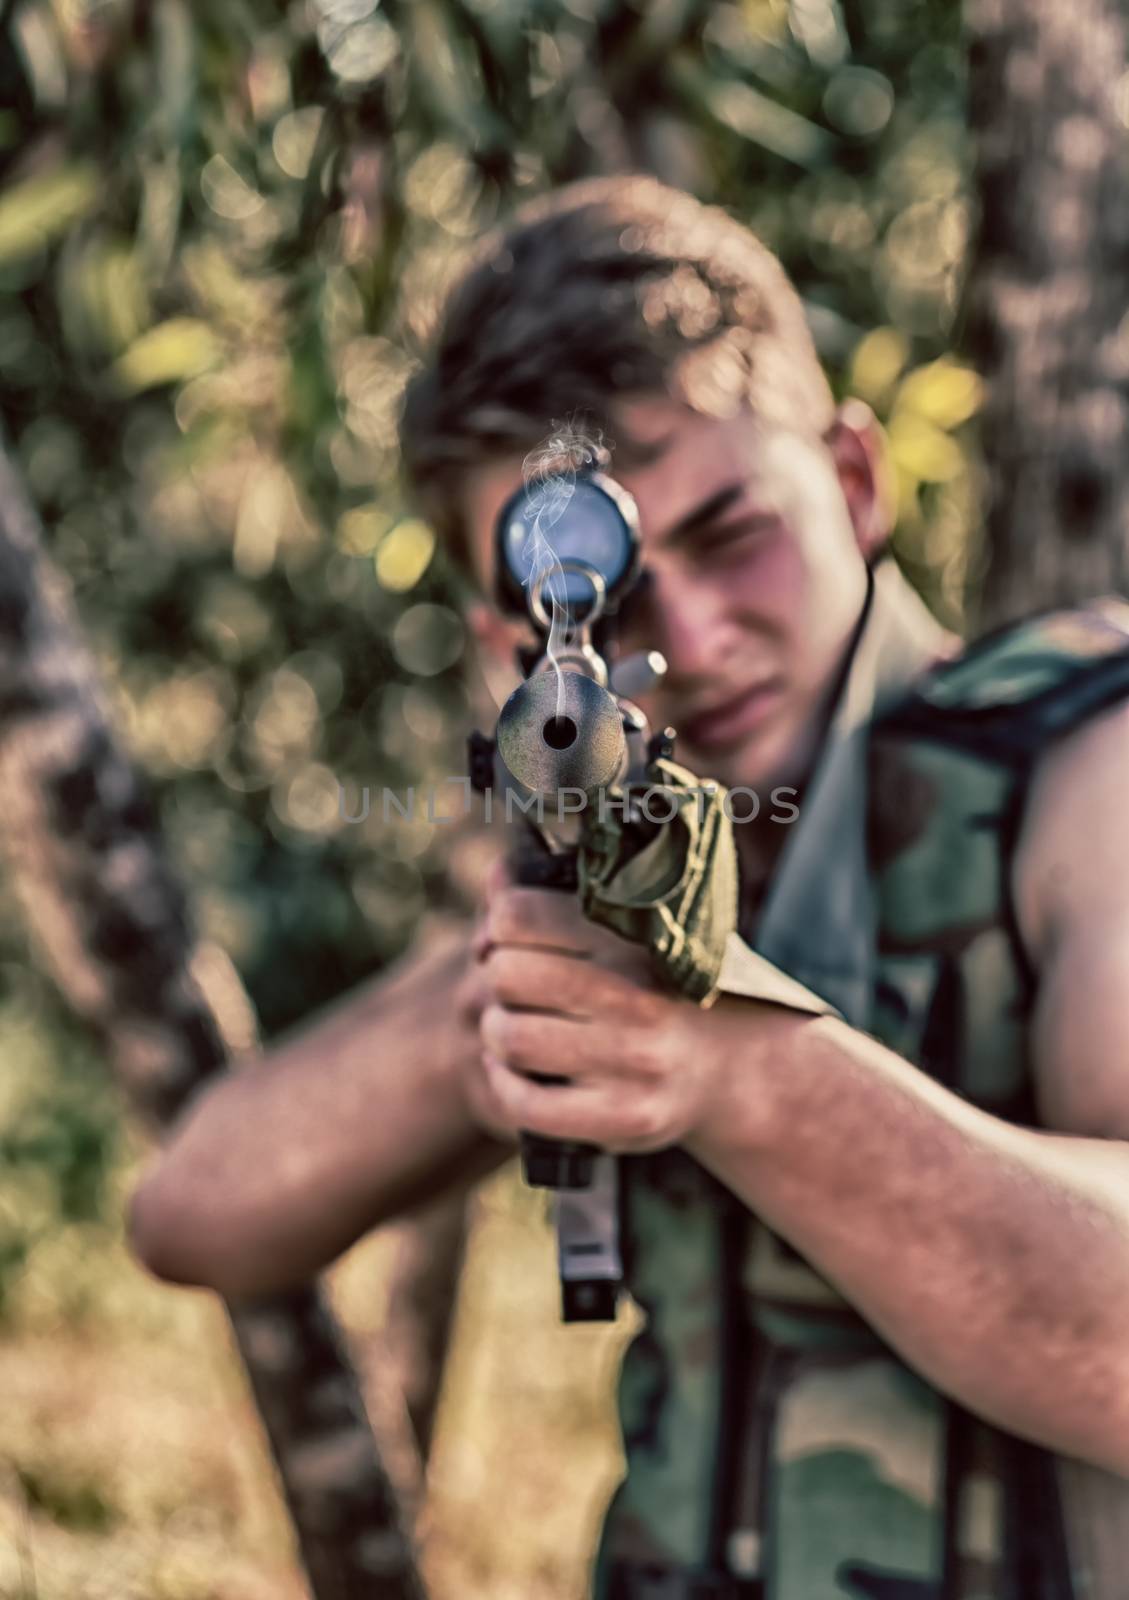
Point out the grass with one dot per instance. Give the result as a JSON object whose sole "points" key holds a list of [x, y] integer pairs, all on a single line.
{"points": [[131, 1461]]}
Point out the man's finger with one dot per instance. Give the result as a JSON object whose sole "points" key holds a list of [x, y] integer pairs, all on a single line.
{"points": [[544, 917], [558, 1113], [534, 1041], [566, 985], [547, 981]]}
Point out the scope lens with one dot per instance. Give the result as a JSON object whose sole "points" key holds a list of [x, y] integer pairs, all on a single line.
{"points": [[569, 519]]}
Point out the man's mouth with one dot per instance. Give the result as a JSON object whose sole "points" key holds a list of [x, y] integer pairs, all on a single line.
{"points": [[733, 719]]}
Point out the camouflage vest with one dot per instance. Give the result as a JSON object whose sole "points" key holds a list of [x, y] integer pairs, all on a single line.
{"points": [[776, 1448]]}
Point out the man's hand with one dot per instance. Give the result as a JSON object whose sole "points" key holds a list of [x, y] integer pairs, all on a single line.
{"points": [[555, 994]]}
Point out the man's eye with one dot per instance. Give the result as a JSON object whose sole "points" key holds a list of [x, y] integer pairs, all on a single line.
{"points": [[634, 608], [736, 533]]}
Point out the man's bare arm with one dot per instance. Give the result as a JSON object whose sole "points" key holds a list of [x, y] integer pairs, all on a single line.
{"points": [[995, 1258], [353, 1118]]}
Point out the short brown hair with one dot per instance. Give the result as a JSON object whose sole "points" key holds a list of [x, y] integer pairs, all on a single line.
{"points": [[605, 288]]}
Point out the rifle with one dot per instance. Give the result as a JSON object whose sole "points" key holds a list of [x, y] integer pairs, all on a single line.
{"points": [[571, 731]]}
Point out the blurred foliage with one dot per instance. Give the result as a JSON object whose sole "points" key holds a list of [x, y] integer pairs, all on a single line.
{"points": [[223, 229], [58, 1138]]}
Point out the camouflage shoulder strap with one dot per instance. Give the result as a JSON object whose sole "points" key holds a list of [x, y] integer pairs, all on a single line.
{"points": [[950, 772], [1014, 691]]}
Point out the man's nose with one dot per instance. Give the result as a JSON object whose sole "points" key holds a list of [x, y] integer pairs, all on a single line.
{"points": [[692, 626]]}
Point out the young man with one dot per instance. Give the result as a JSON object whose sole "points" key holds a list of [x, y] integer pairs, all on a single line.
{"points": [[887, 1283]]}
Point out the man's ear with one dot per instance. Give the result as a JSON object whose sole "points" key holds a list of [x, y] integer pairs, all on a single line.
{"points": [[858, 449]]}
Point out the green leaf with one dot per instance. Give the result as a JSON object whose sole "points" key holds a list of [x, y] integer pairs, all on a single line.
{"points": [[39, 209], [924, 450], [773, 126], [180, 348], [944, 393], [176, 69], [877, 363]]}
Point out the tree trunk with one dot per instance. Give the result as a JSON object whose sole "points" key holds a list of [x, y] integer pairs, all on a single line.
{"points": [[112, 926], [1048, 329], [1046, 298]]}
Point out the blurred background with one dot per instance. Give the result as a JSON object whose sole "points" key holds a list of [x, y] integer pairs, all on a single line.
{"points": [[223, 231]]}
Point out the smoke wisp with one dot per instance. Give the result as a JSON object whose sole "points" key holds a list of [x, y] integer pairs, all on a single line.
{"points": [[550, 472]]}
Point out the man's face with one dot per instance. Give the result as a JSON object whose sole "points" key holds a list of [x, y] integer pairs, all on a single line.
{"points": [[753, 541]]}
